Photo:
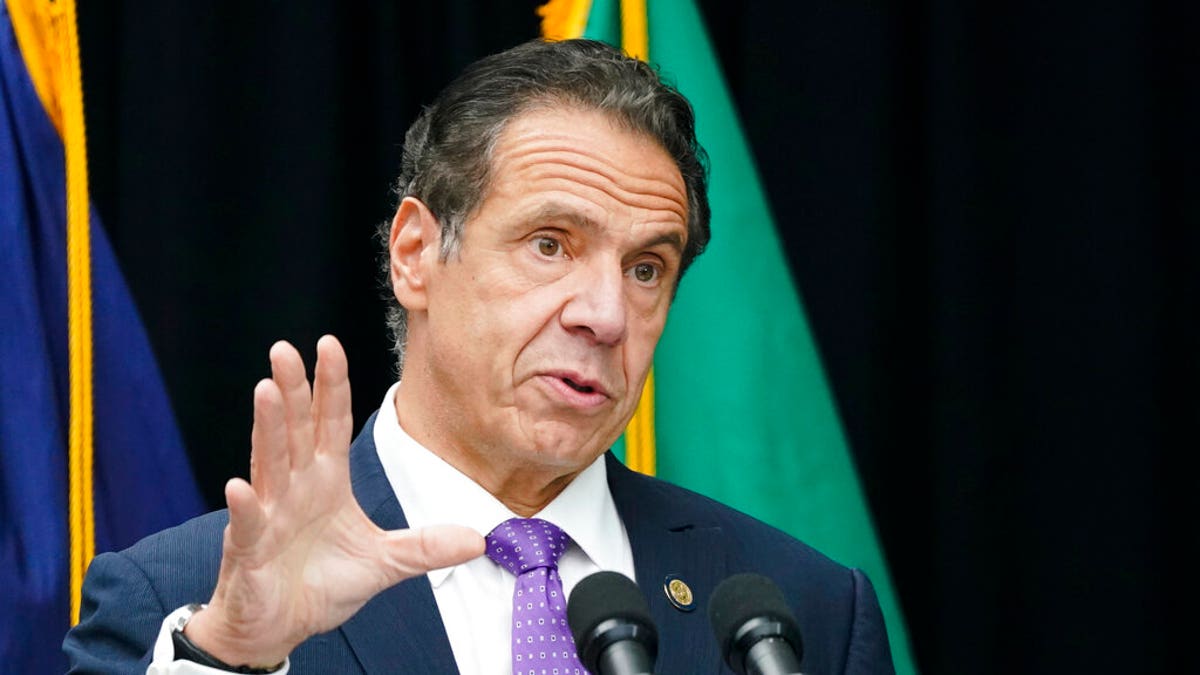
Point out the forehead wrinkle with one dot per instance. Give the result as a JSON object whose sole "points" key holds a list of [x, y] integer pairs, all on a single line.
{"points": [[543, 155], [655, 208]]}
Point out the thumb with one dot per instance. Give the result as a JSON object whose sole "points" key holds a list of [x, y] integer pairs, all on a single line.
{"points": [[418, 550]]}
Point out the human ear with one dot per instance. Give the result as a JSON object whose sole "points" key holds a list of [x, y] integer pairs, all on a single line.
{"points": [[412, 251]]}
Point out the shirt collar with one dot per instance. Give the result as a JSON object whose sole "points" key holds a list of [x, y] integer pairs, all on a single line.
{"points": [[431, 491]]}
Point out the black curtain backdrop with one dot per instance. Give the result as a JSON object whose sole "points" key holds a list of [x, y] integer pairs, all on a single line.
{"points": [[992, 215]]}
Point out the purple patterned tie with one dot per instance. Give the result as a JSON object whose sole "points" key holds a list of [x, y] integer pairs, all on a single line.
{"points": [[542, 642]]}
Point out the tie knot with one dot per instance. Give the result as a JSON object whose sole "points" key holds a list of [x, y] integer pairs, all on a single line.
{"points": [[523, 544]]}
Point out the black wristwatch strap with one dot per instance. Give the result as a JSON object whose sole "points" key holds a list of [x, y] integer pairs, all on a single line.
{"points": [[186, 650]]}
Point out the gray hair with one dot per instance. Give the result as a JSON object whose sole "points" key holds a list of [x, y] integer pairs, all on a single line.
{"points": [[448, 149]]}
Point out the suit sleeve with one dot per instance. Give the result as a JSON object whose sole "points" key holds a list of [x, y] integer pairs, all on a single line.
{"points": [[868, 652], [120, 616]]}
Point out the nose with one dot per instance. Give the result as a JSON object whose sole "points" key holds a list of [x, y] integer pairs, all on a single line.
{"points": [[596, 307]]}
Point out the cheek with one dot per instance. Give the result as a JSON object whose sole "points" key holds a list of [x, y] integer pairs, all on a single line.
{"points": [[506, 320], [533, 303], [643, 339]]}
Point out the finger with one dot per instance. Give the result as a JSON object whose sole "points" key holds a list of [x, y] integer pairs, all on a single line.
{"points": [[418, 550], [287, 369], [269, 459], [247, 520], [331, 397]]}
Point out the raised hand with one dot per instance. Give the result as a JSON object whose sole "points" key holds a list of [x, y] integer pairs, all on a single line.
{"points": [[300, 556]]}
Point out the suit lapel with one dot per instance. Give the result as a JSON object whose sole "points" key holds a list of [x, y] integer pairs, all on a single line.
{"points": [[671, 538], [399, 630]]}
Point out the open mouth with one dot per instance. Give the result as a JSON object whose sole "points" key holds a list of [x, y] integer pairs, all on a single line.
{"points": [[575, 390], [578, 387]]}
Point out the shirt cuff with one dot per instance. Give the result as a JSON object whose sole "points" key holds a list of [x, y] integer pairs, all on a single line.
{"points": [[164, 662]]}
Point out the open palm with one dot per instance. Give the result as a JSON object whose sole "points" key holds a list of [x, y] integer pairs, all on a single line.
{"points": [[300, 556]]}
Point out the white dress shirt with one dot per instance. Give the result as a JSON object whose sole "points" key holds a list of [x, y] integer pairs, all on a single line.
{"points": [[474, 598]]}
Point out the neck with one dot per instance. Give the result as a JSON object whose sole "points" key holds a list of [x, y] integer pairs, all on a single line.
{"points": [[527, 497]]}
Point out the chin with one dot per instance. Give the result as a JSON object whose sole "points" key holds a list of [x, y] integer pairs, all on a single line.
{"points": [[560, 445]]}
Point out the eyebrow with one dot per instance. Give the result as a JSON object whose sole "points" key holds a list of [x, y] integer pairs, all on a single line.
{"points": [[555, 211], [673, 238]]}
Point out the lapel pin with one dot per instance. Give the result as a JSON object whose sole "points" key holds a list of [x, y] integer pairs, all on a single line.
{"points": [[679, 593]]}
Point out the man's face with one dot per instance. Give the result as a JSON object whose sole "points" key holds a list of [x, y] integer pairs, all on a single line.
{"points": [[539, 334]]}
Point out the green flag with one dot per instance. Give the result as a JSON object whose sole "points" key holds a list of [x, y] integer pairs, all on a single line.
{"points": [[742, 409]]}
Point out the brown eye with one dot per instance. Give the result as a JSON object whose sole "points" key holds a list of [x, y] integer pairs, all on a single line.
{"points": [[645, 273], [548, 247]]}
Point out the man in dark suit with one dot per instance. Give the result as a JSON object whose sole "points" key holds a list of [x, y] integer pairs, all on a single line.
{"points": [[551, 200]]}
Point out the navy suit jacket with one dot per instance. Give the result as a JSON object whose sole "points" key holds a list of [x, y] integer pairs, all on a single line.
{"points": [[671, 531]]}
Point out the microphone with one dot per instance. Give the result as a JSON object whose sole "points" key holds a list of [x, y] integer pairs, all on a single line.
{"points": [[612, 627], [756, 630]]}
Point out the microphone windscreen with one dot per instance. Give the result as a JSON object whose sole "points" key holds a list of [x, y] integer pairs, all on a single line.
{"points": [[743, 597], [603, 596]]}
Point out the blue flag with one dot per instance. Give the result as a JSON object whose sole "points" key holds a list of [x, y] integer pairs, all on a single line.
{"points": [[141, 480]]}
